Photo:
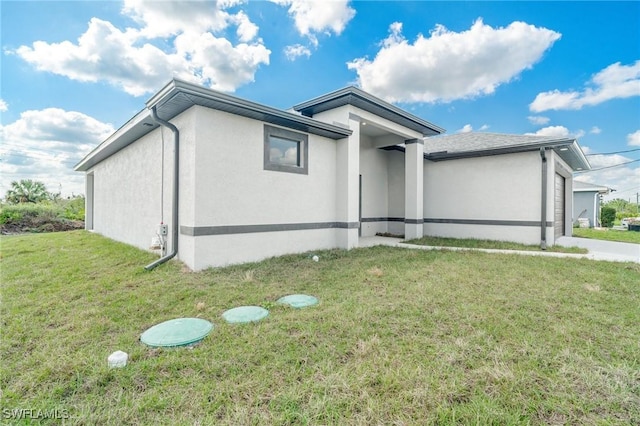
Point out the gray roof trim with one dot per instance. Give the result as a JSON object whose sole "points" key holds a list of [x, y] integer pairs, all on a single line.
{"points": [[352, 95], [138, 126], [178, 96]]}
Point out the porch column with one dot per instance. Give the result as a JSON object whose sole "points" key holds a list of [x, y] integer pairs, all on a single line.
{"points": [[348, 187], [413, 188]]}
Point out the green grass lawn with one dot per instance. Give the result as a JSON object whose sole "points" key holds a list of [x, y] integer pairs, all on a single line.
{"points": [[488, 244], [399, 337], [608, 234]]}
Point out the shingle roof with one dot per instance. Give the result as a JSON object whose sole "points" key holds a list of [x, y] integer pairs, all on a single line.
{"points": [[476, 144], [476, 141]]}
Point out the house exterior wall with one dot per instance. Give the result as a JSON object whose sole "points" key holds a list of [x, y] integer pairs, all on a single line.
{"points": [[492, 197], [375, 188], [585, 205], [120, 184], [373, 174], [396, 192], [127, 187], [243, 212]]}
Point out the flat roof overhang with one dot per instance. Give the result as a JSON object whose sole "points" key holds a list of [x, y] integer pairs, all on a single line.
{"points": [[178, 96]]}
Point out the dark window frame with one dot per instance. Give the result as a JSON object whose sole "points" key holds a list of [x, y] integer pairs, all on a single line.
{"points": [[303, 150]]}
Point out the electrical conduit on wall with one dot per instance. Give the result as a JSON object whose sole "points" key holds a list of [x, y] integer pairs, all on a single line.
{"points": [[176, 169]]}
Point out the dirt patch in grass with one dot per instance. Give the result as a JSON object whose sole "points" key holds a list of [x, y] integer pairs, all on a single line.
{"points": [[39, 224]]}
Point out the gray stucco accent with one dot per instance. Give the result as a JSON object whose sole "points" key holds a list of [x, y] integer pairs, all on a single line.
{"points": [[382, 219], [412, 141], [196, 231], [487, 222], [414, 221]]}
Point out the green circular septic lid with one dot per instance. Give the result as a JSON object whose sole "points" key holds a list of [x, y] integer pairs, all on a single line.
{"points": [[298, 300], [177, 332], [245, 314]]}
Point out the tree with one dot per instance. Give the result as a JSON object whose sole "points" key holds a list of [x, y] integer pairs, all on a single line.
{"points": [[618, 203], [26, 191]]}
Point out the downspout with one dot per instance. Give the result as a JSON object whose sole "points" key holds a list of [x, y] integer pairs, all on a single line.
{"points": [[543, 212], [176, 170]]}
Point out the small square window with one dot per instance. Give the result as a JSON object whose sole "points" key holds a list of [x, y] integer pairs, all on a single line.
{"points": [[285, 150]]}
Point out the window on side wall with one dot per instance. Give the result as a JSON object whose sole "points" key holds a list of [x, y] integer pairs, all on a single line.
{"points": [[285, 150]]}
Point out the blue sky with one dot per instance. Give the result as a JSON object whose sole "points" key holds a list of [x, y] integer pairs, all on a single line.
{"points": [[74, 71]]}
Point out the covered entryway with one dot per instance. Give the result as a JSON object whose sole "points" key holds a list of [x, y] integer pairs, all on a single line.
{"points": [[559, 207]]}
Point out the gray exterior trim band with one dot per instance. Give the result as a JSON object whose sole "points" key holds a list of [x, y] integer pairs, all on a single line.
{"points": [[412, 141], [487, 222], [382, 219], [414, 221], [456, 221], [197, 231]]}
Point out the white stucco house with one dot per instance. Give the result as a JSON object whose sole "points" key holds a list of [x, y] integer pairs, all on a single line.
{"points": [[586, 202], [235, 181]]}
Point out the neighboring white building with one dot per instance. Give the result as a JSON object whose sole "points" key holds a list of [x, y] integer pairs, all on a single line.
{"points": [[586, 202], [255, 182]]}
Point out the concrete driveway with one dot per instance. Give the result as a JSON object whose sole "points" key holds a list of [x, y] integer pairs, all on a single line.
{"points": [[604, 250]]}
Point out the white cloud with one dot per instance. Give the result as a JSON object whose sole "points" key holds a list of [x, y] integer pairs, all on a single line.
{"points": [[614, 82], [552, 131], [167, 18], [538, 120], [247, 30], [217, 63], [45, 145], [294, 51], [319, 16], [558, 132], [633, 139], [595, 130], [129, 60], [468, 128], [448, 65], [3, 106]]}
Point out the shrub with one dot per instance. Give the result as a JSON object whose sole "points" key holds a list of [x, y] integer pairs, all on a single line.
{"points": [[9, 215], [73, 208], [61, 215], [608, 216]]}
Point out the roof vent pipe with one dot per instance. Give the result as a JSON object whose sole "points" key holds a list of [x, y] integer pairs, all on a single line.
{"points": [[176, 170], [543, 213]]}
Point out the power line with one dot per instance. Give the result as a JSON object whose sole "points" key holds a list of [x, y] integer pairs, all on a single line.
{"points": [[627, 190], [608, 167], [611, 153]]}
